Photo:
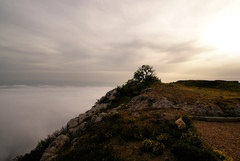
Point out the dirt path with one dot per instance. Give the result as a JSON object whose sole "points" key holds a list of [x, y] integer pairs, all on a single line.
{"points": [[222, 136]]}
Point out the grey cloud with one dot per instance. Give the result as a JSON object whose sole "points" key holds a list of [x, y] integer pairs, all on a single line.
{"points": [[172, 52], [185, 51]]}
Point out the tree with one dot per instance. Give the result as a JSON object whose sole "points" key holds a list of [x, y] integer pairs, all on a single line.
{"points": [[142, 79], [145, 74]]}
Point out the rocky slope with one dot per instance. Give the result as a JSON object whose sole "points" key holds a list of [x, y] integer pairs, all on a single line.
{"points": [[141, 125]]}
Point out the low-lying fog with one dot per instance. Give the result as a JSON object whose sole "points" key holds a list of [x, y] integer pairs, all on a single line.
{"points": [[28, 114]]}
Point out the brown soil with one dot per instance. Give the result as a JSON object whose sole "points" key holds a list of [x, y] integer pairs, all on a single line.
{"points": [[222, 136]]}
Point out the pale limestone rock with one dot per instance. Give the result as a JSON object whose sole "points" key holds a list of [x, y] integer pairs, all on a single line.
{"points": [[163, 103], [51, 152], [98, 119], [73, 123], [111, 94], [82, 126], [99, 107], [81, 117], [169, 116], [180, 124], [136, 114], [75, 131], [144, 102]]}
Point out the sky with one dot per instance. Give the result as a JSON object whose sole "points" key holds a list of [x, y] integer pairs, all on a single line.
{"points": [[102, 42], [29, 114]]}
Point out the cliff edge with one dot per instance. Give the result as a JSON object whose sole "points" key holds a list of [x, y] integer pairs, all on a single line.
{"points": [[143, 121]]}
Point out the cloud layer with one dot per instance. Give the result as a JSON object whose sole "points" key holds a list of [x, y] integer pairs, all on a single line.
{"points": [[103, 42], [29, 114]]}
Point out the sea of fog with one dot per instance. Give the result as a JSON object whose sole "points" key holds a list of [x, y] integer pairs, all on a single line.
{"points": [[28, 114]]}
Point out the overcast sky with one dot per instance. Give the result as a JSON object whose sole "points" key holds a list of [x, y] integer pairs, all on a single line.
{"points": [[102, 42]]}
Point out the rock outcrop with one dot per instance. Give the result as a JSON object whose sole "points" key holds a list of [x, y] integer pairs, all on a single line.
{"points": [[55, 147], [78, 124]]}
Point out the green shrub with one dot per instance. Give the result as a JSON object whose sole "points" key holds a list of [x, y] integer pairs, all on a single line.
{"points": [[222, 156], [192, 138], [135, 131], [163, 138], [147, 145], [143, 78], [187, 120], [90, 152], [158, 148], [153, 146]]}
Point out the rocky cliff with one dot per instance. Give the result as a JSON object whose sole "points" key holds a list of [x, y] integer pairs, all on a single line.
{"points": [[143, 125]]}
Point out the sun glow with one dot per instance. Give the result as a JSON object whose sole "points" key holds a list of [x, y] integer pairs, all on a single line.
{"points": [[224, 34]]}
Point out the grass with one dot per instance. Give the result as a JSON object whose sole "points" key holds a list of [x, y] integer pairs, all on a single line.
{"points": [[232, 86], [212, 92]]}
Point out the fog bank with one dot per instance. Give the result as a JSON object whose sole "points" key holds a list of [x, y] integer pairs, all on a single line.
{"points": [[28, 114]]}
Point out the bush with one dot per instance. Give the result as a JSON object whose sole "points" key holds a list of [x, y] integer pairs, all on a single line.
{"points": [[222, 156], [187, 121], [147, 145], [192, 138], [143, 78], [158, 148], [163, 138], [135, 131], [153, 146]]}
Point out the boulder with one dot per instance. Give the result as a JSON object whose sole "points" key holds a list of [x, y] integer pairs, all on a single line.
{"points": [[52, 151], [81, 117], [163, 103], [180, 124], [96, 118], [99, 107], [75, 131], [110, 96], [168, 116], [73, 123]]}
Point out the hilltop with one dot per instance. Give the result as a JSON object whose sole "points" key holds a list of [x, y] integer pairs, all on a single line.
{"points": [[137, 121]]}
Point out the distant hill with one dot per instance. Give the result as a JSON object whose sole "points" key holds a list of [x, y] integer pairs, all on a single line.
{"points": [[137, 121], [218, 84]]}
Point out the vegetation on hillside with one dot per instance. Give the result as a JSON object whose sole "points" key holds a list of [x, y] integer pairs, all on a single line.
{"points": [[125, 138], [146, 134], [143, 78], [233, 86]]}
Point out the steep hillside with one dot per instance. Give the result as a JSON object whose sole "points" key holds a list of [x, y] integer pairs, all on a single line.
{"points": [[137, 121]]}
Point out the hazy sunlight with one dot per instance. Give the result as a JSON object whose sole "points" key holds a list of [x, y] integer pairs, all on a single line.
{"points": [[224, 34]]}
